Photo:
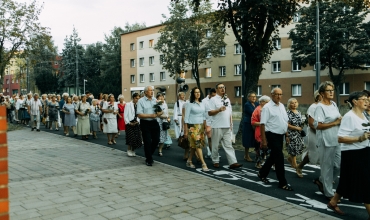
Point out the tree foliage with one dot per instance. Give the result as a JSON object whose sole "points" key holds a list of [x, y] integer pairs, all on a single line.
{"points": [[18, 23], [190, 38], [344, 39]]}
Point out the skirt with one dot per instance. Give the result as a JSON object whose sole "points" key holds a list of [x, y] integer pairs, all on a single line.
{"points": [[162, 133], [133, 136], [69, 120], [196, 135], [94, 125], [111, 126], [354, 176], [83, 126]]}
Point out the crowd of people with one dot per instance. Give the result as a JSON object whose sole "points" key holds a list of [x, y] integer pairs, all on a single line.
{"points": [[340, 145]]}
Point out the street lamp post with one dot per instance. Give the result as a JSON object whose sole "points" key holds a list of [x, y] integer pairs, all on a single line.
{"points": [[84, 86]]}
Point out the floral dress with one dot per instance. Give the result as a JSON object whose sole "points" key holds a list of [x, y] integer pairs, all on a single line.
{"points": [[296, 144]]}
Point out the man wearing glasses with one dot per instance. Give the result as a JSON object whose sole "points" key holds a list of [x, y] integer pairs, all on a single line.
{"points": [[274, 125], [219, 108]]}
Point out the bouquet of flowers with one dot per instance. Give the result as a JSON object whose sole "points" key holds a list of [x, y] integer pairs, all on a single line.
{"points": [[87, 111], [157, 106], [223, 100]]}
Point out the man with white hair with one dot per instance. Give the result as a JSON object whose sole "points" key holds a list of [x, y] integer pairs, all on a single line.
{"points": [[274, 125], [177, 113], [35, 110]]}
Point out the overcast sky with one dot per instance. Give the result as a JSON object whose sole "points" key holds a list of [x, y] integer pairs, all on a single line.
{"points": [[94, 18]]}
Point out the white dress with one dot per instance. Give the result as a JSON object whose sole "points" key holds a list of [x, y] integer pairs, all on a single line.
{"points": [[111, 126], [83, 123]]}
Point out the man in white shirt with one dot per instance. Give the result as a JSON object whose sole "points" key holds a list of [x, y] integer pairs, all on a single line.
{"points": [[205, 101], [274, 125], [219, 107], [35, 110], [177, 113]]}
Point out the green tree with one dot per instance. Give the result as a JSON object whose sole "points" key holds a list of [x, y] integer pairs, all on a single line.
{"points": [[189, 38], [91, 70], [344, 44], [18, 23], [72, 55]]}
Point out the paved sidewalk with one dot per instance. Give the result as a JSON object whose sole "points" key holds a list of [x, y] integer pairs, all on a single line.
{"points": [[55, 177]]}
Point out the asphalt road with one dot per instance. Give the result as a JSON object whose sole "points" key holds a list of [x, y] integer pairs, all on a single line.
{"points": [[305, 193]]}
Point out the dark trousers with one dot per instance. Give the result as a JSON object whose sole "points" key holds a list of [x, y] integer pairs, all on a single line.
{"points": [[275, 144], [150, 132]]}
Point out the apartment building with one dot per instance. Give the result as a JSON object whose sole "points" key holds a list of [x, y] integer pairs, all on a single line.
{"points": [[12, 80], [141, 67]]}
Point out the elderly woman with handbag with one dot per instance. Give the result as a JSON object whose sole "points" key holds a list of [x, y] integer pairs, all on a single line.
{"points": [[163, 122], [134, 139], [110, 110]]}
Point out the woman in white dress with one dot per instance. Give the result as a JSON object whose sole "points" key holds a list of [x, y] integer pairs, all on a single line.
{"points": [[110, 110], [82, 110]]}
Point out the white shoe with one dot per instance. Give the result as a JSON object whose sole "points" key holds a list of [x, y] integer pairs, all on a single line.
{"points": [[133, 153], [129, 153]]}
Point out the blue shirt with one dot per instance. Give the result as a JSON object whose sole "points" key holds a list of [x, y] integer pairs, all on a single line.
{"points": [[146, 106], [195, 113]]}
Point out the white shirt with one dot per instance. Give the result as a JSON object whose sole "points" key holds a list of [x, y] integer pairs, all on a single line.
{"points": [[221, 119], [35, 106], [351, 126], [205, 101], [129, 113], [115, 108], [274, 117], [177, 111]]}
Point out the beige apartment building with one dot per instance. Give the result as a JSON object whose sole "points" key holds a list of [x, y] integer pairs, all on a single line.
{"points": [[141, 67]]}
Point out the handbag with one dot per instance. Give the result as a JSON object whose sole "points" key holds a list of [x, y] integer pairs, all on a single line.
{"points": [[303, 133], [183, 142], [165, 125]]}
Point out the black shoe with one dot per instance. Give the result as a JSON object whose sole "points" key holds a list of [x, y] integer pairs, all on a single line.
{"points": [[38, 130], [149, 164], [33, 129], [75, 135]]}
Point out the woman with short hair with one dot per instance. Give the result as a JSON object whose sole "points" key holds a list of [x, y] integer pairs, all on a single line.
{"points": [[121, 110], [83, 123], [327, 121], [163, 118], [294, 139], [95, 118], [353, 136], [110, 110], [248, 132], [134, 139], [52, 112], [255, 121], [69, 116]]}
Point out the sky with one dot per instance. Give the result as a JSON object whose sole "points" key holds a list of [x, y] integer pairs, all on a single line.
{"points": [[95, 18]]}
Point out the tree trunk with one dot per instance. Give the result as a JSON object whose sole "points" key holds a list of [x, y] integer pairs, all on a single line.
{"points": [[252, 73]]}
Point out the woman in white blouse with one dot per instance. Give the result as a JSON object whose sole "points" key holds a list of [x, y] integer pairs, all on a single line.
{"points": [[353, 136], [110, 110], [134, 139], [82, 110]]}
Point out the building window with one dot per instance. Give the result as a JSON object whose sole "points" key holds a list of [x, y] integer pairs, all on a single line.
{"points": [[208, 72], [344, 89], [151, 43], [367, 65], [277, 44], [237, 69], [162, 76], [12, 80], [161, 59], [132, 78], [223, 51], [132, 46], [142, 77], [7, 90], [296, 66], [16, 81], [237, 49], [141, 44], [151, 77], [132, 62], [209, 54], [276, 67], [222, 70], [259, 90], [151, 60], [367, 86], [208, 33], [237, 91], [296, 90], [7, 81], [296, 17], [141, 61]]}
